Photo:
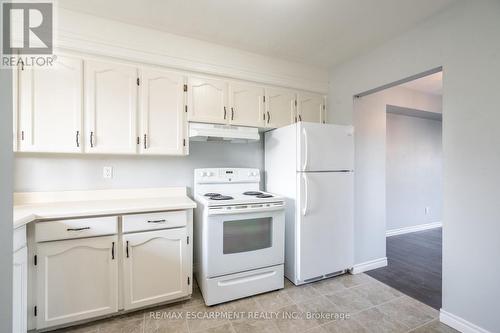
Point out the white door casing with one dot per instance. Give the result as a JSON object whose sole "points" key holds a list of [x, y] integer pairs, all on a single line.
{"points": [[50, 107], [76, 279], [111, 107], [20, 291], [156, 266], [246, 104], [162, 113], [207, 100]]}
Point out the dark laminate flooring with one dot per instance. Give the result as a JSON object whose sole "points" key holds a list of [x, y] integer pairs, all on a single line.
{"points": [[414, 265]]}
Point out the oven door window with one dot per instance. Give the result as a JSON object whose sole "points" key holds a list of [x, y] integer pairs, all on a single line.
{"points": [[247, 235]]}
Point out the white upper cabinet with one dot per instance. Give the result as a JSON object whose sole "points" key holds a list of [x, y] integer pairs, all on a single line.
{"points": [[246, 104], [280, 107], [76, 279], [207, 100], [50, 107], [162, 113], [111, 108], [156, 267], [310, 107]]}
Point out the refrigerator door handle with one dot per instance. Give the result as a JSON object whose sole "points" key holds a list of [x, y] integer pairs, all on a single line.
{"points": [[306, 153], [306, 190]]}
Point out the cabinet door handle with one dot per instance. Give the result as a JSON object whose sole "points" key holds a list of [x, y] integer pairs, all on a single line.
{"points": [[113, 251], [232, 113], [300, 117], [157, 221], [268, 117], [78, 139], [78, 229], [126, 249], [91, 139], [225, 112], [145, 141]]}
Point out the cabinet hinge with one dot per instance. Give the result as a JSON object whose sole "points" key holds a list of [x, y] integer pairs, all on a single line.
{"points": [[185, 87], [138, 140], [188, 239], [22, 135], [35, 260], [324, 107], [35, 311], [295, 102], [184, 142], [264, 98], [138, 81], [189, 280]]}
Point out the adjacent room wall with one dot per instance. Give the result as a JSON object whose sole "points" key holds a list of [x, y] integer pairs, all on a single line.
{"points": [[463, 40], [6, 222], [413, 170], [40, 172]]}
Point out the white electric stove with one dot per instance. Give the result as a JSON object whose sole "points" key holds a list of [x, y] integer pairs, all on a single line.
{"points": [[239, 235]]}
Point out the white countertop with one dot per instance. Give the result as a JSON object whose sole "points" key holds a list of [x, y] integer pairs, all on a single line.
{"points": [[29, 207]]}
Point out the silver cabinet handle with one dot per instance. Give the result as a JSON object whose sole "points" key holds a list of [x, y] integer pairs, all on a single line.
{"points": [[268, 117], [232, 113], [126, 250], [78, 229], [157, 221], [145, 141], [113, 251], [78, 139], [225, 112], [91, 139]]}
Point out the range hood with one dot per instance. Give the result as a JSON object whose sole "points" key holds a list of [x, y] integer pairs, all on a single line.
{"points": [[214, 132]]}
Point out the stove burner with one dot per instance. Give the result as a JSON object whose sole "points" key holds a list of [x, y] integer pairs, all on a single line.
{"points": [[212, 194], [263, 196], [252, 193], [221, 197]]}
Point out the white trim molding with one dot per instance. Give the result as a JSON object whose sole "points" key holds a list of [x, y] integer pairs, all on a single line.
{"points": [[414, 228], [369, 265], [459, 324]]}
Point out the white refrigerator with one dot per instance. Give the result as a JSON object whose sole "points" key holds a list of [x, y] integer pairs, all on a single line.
{"points": [[312, 166]]}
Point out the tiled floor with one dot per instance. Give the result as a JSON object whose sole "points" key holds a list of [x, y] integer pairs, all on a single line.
{"points": [[349, 303]]}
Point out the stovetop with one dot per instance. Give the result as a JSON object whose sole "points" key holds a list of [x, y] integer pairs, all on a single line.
{"points": [[245, 197]]}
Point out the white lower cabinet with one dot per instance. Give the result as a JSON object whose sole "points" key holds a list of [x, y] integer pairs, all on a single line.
{"points": [[76, 280], [20, 291], [156, 267]]}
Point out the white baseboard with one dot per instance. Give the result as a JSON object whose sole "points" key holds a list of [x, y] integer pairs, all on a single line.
{"points": [[459, 324], [369, 265], [406, 230]]}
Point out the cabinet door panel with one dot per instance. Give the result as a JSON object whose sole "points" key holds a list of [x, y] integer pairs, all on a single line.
{"points": [[156, 267], [20, 291], [310, 107], [111, 108], [50, 107], [280, 107], [162, 112], [207, 100], [76, 280], [247, 107]]}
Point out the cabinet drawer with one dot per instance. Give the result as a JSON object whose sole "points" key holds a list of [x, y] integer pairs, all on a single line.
{"points": [[77, 228], [153, 221], [19, 238]]}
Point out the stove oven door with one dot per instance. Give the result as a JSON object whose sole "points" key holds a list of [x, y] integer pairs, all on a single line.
{"points": [[244, 241]]}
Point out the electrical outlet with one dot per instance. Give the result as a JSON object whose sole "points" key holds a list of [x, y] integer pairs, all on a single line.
{"points": [[427, 210], [107, 172]]}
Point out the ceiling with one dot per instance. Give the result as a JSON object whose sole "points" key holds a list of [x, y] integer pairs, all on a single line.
{"points": [[317, 32], [430, 84]]}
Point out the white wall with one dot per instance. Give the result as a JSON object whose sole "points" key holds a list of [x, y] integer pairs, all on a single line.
{"points": [[39, 172], [370, 164], [414, 171], [6, 200], [464, 40]]}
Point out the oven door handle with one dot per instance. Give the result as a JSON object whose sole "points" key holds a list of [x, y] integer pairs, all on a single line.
{"points": [[246, 279], [306, 196]]}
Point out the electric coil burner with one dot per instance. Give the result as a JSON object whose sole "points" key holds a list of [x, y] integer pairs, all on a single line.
{"points": [[252, 193], [264, 195], [221, 197]]}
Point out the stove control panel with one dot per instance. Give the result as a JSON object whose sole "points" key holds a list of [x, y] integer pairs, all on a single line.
{"points": [[226, 175], [246, 208]]}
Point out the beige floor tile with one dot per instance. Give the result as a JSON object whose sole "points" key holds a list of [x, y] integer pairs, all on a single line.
{"points": [[344, 326], [353, 280], [226, 328], [348, 301], [329, 286], [165, 325], [274, 300], [320, 308], [90, 328], [375, 321], [202, 318], [435, 327], [255, 326], [291, 319], [409, 312], [377, 293], [301, 294], [133, 323]]}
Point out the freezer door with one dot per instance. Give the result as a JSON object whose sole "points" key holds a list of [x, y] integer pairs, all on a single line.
{"points": [[324, 147], [324, 223]]}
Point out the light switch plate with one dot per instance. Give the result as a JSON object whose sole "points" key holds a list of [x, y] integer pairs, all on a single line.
{"points": [[107, 172]]}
